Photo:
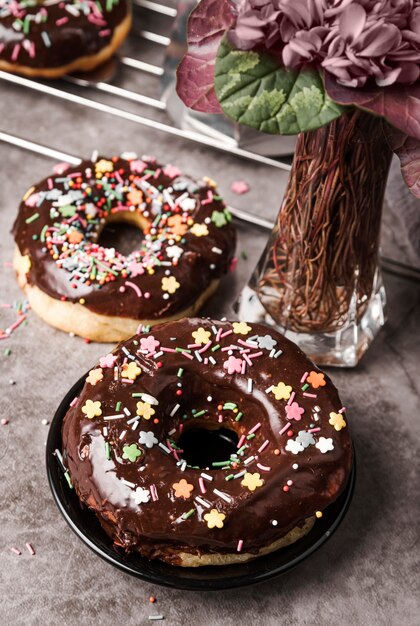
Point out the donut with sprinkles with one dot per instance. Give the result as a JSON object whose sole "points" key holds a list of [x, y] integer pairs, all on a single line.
{"points": [[203, 442], [50, 38], [78, 285]]}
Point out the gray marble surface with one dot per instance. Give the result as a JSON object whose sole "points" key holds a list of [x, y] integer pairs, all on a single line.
{"points": [[368, 573]]}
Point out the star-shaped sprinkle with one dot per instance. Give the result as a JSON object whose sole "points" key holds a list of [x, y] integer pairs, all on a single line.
{"points": [[170, 284], [95, 376], [144, 410], [294, 446], [199, 230], [214, 519], [337, 420], [92, 409], [104, 166], [201, 336], [325, 444], [219, 219], [266, 342], [316, 379], [183, 489], [108, 360], [131, 453], [252, 481], [233, 365], [130, 370], [149, 343], [147, 438], [305, 438], [141, 495], [241, 328], [282, 391], [294, 411]]}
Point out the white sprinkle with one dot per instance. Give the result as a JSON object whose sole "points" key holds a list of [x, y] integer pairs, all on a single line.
{"points": [[198, 356], [249, 460], [249, 389], [156, 617], [114, 417], [158, 354], [278, 353], [127, 412], [94, 156], [216, 250], [206, 476], [222, 495], [203, 502], [174, 410], [164, 448], [150, 399], [127, 482], [44, 422], [274, 522], [272, 353], [269, 389], [240, 474], [183, 466], [123, 434], [105, 431], [209, 398], [295, 466], [172, 432], [132, 420], [134, 426], [212, 360]]}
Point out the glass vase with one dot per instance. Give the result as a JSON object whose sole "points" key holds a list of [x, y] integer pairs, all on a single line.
{"points": [[318, 279]]}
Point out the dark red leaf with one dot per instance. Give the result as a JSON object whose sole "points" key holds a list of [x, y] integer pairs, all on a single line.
{"points": [[207, 25]]}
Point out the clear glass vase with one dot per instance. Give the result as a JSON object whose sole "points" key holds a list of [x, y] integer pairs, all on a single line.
{"points": [[318, 280]]}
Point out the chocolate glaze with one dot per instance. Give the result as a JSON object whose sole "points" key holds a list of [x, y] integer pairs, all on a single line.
{"points": [[202, 258], [156, 528], [47, 44]]}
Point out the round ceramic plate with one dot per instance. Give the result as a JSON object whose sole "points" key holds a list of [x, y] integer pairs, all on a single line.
{"points": [[86, 526]]}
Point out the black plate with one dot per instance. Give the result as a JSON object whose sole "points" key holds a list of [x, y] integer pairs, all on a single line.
{"points": [[86, 526]]}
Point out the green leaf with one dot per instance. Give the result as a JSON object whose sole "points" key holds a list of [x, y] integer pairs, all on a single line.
{"points": [[253, 90]]}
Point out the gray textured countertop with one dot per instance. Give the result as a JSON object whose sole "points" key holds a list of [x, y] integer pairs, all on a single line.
{"points": [[368, 573]]}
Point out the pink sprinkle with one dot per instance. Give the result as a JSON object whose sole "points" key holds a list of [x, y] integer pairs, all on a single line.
{"points": [[255, 355], [134, 287], [240, 545], [14, 57], [247, 359], [342, 410], [104, 33], [255, 428], [202, 485], [220, 419], [243, 370], [4, 421], [74, 401], [193, 346], [172, 350], [189, 356], [304, 377], [153, 493], [285, 427], [206, 347], [139, 329], [248, 344], [239, 187], [309, 395], [62, 21], [206, 361], [241, 441], [292, 395], [219, 334], [208, 199], [127, 380], [50, 183], [263, 446], [264, 468], [30, 549], [314, 430], [15, 550], [226, 334]]}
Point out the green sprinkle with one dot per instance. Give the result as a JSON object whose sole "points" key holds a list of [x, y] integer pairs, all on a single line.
{"points": [[67, 475], [180, 372], [43, 231], [229, 477], [118, 405], [34, 237], [182, 350], [32, 218], [242, 450], [251, 436], [107, 451], [200, 413], [244, 255], [305, 386], [136, 395], [230, 405], [188, 514], [239, 416], [214, 348], [221, 463], [7, 352]]}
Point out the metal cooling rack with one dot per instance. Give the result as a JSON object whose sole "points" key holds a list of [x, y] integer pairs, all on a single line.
{"points": [[68, 88]]}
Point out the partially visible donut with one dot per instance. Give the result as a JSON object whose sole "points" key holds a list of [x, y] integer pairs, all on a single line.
{"points": [[49, 39], [182, 381], [79, 286]]}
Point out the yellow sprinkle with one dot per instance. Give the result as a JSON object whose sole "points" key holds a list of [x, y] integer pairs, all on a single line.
{"points": [[28, 193], [82, 300], [318, 514]]}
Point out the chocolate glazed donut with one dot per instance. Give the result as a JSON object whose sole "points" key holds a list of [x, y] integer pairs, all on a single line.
{"points": [[79, 286], [49, 39], [203, 442]]}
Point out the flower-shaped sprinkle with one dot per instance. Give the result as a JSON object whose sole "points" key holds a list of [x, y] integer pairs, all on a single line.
{"points": [[131, 453], [337, 420], [252, 481], [294, 446], [95, 376], [316, 379], [282, 391], [108, 360], [305, 438], [201, 335], [199, 230], [104, 166], [294, 411], [170, 284], [174, 252], [219, 219], [171, 170], [177, 224], [325, 444], [147, 438], [144, 410], [183, 489], [214, 519], [135, 269], [130, 370], [138, 166], [241, 328], [135, 197], [141, 495], [266, 342], [233, 365], [149, 343], [92, 409]]}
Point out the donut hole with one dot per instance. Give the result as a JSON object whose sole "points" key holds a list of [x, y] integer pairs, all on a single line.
{"points": [[124, 235], [203, 446]]}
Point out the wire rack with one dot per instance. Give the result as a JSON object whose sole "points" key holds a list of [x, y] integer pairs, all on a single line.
{"points": [[84, 91]]}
